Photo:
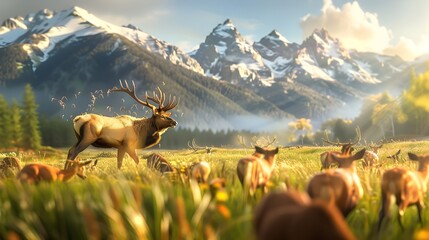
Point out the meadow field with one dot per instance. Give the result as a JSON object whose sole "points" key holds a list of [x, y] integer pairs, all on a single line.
{"points": [[139, 203]]}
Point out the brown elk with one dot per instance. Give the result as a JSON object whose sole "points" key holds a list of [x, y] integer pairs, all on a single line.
{"points": [[406, 186], [200, 171], [326, 158], [37, 172], [341, 185], [395, 156], [292, 215], [124, 132], [10, 162], [159, 163], [254, 171], [370, 158]]}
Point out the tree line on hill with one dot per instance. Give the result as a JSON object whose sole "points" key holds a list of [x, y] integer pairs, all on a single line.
{"points": [[382, 117]]}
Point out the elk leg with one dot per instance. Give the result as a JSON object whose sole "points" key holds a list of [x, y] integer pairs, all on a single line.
{"points": [[133, 155], [401, 212], [121, 154], [385, 204], [83, 142], [419, 211]]}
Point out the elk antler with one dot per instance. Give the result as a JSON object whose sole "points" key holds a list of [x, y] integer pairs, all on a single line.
{"points": [[195, 147], [132, 93], [339, 144], [159, 98]]}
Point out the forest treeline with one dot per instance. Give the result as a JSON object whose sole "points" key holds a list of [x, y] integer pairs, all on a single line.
{"points": [[382, 117]]}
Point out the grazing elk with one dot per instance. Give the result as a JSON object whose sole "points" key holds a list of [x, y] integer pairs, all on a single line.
{"points": [[159, 163], [126, 133], [370, 158], [10, 162], [341, 185], [292, 215], [254, 171], [326, 158], [200, 171], [37, 172], [395, 156], [408, 187]]}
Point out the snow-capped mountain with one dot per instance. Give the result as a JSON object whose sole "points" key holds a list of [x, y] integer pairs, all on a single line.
{"points": [[276, 52], [47, 30], [226, 55]]}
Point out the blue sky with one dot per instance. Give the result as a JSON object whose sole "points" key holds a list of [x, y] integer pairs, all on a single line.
{"points": [[386, 26]]}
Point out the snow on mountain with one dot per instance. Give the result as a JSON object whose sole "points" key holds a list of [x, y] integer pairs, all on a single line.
{"points": [[324, 57], [276, 52], [40, 33], [226, 55]]}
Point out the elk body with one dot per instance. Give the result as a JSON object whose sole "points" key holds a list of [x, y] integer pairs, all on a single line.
{"points": [[341, 186], [10, 162], [406, 186], [292, 215], [254, 171], [126, 133], [37, 172], [159, 163], [371, 157], [200, 171], [327, 159]]}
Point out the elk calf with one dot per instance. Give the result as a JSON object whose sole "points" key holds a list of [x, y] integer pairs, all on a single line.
{"points": [[159, 163], [254, 171], [37, 172], [408, 188], [341, 186], [200, 171], [292, 215], [371, 157]]}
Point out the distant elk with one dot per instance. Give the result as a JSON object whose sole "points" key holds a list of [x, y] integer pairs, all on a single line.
{"points": [[326, 158], [292, 215], [10, 162], [371, 158], [126, 133], [395, 156], [406, 186], [341, 186], [38, 172], [255, 171]]}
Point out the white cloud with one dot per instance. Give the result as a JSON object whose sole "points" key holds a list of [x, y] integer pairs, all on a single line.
{"points": [[355, 28], [361, 30]]}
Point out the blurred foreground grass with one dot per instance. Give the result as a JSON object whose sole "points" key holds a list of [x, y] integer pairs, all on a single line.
{"points": [[138, 203]]}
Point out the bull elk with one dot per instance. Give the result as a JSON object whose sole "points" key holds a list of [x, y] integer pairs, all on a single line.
{"points": [[37, 172], [341, 185], [406, 186], [326, 158], [254, 171], [292, 215], [371, 157], [126, 133]]}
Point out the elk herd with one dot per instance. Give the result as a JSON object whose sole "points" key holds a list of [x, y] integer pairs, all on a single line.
{"points": [[319, 212]]}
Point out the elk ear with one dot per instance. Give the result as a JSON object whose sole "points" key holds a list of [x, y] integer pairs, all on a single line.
{"points": [[413, 156], [259, 149], [359, 155], [167, 114], [85, 163], [275, 151]]}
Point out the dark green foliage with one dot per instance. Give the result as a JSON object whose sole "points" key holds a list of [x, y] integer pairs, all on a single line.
{"points": [[5, 124], [30, 121], [15, 65], [56, 132], [16, 131]]}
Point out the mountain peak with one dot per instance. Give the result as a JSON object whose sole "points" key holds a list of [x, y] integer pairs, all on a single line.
{"points": [[276, 35], [227, 21], [323, 34]]}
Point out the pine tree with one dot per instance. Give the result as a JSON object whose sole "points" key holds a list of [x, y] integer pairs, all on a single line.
{"points": [[30, 121], [16, 131], [5, 123]]}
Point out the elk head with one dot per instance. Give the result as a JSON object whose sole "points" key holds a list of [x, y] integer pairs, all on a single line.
{"points": [[160, 114]]}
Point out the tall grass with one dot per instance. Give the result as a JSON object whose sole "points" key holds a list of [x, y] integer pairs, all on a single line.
{"points": [[137, 203]]}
